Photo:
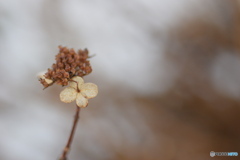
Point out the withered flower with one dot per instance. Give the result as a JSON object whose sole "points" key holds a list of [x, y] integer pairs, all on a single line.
{"points": [[68, 64], [69, 69]]}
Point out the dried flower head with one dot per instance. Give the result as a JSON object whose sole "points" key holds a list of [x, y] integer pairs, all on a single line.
{"points": [[79, 91], [68, 64]]}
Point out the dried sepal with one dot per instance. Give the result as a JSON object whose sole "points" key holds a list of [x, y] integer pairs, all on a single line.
{"points": [[45, 81], [76, 82], [89, 90], [68, 95], [81, 101]]}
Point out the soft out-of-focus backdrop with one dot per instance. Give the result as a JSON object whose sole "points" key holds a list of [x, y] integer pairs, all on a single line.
{"points": [[168, 74]]}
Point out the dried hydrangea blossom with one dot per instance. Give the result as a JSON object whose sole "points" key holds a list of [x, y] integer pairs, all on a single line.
{"points": [[68, 64], [69, 69], [79, 91]]}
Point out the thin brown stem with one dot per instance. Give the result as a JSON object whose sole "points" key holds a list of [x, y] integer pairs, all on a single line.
{"points": [[67, 147]]}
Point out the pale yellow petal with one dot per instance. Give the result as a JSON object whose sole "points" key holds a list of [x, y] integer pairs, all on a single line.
{"points": [[49, 81], [41, 75], [68, 95], [81, 101], [89, 90], [76, 80]]}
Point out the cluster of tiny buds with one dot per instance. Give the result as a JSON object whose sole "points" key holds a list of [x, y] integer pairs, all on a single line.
{"points": [[68, 64]]}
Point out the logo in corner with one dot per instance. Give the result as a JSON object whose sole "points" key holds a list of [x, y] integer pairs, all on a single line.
{"points": [[212, 153]]}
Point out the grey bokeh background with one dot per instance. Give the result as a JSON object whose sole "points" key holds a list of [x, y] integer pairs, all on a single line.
{"points": [[139, 112]]}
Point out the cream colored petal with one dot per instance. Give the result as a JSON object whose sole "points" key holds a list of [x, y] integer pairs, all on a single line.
{"points": [[49, 81], [81, 101], [41, 75], [89, 90], [76, 80], [68, 95]]}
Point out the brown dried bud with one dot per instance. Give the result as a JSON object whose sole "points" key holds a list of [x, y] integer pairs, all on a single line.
{"points": [[68, 64]]}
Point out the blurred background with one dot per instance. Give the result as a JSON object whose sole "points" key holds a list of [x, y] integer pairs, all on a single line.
{"points": [[168, 74]]}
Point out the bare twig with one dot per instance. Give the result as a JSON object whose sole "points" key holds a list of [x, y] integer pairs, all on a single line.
{"points": [[67, 147]]}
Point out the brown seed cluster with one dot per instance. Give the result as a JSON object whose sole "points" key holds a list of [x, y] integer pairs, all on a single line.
{"points": [[68, 64]]}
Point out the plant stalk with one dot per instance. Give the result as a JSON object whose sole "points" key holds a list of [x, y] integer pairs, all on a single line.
{"points": [[67, 147]]}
